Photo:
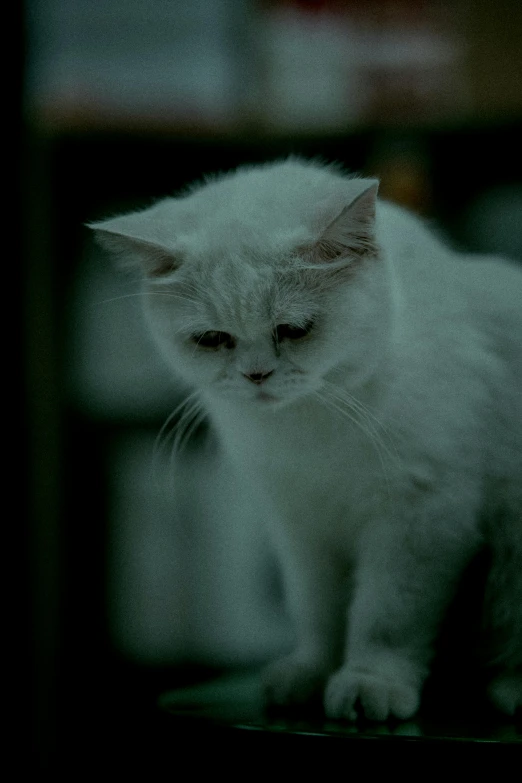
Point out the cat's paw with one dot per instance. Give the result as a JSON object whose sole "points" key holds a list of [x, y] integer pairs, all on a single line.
{"points": [[291, 680], [353, 691], [505, 691]]}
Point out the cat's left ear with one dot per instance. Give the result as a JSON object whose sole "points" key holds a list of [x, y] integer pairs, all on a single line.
{"points": [[352, 233], [132, 251]]}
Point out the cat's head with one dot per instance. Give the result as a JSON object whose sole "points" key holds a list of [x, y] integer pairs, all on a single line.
{"points": [[260, 283]]}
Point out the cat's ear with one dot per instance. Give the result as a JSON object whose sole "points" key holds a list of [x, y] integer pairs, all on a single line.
{"points": [[131, 251], [352, 233]]}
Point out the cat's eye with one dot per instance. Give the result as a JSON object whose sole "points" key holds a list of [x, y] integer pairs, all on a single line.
{"points": [[289, 332], [214, 340]]}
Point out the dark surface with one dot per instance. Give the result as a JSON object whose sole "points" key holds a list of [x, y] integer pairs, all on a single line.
{"points": [[235, 701], [225, 719]]}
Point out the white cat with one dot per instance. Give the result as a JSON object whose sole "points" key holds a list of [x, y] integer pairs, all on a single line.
{"points": [[365, 383]]}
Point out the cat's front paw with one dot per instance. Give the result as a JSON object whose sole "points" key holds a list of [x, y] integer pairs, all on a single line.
{"points": [[353, 691], [505, 691], [292, 680]]}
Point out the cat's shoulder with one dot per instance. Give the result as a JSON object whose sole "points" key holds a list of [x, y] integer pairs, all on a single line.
{"points": [[413, 237], [494, 284]]}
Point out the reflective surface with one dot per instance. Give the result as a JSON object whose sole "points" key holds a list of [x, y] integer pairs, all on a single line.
{"points": [[235, 701]]}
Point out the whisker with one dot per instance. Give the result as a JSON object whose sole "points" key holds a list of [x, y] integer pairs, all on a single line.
{"points": [[373, 436], [192, 426], [185, 419], [378, 423], [376, 427], [168, 421], [345, 407], [185, 426], [161, 440]]}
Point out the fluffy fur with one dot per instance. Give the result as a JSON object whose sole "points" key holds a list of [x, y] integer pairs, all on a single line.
{"points": [[364, 382]]}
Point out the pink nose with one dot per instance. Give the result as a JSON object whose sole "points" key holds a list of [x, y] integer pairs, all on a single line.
{"points": [[258, 377]]}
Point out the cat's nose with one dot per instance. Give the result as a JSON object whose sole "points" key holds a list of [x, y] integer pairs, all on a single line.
{"points": [[258, 377]]}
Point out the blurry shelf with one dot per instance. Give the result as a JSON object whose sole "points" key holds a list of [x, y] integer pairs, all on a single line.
{"points": [[75, 120]]}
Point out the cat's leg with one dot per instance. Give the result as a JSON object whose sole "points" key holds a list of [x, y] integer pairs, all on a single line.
{"points": [[316, 599], [406, 576], [505, 690], [503, 607]]}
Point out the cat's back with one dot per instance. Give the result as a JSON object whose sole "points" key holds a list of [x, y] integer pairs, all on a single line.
{"points": [[442, 281], [459, 323], [494, 287]]}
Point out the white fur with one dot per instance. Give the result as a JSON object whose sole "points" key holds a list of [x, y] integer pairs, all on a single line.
{"points": [[384, 448]]}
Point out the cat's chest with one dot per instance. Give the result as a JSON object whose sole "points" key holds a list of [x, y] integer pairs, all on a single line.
{"points": [[320, 474]]}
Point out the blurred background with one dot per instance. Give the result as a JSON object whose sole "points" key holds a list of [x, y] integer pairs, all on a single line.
{"points": [[130, 590]]}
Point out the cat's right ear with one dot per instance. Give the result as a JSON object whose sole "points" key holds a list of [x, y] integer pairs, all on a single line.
{"points": [[350, 236], [132, 252]]}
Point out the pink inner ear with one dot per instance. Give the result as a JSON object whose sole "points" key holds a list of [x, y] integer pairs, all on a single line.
{"points": [[351, 233], [153, 259], [159, 264], [156, 261], [328, 250]]}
